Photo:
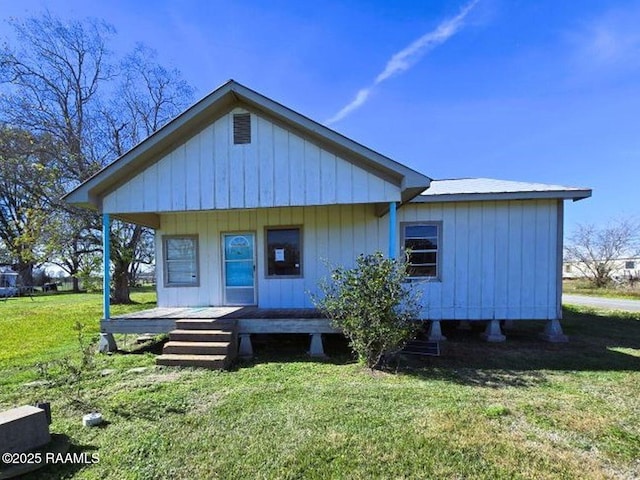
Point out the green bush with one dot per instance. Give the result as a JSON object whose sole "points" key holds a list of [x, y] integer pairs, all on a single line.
{"points": [[373, 305]]}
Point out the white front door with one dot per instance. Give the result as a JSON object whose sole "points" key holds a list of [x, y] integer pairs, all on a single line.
{"points": [[239, 268]]}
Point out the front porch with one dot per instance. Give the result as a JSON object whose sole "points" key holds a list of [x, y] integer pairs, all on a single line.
{"points": [[245, 320]]}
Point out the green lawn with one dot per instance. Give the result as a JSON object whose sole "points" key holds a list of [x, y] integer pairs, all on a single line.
{"points": [[522, 409]]}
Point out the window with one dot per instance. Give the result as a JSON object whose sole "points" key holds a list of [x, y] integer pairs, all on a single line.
{"points": [[283, 252], [567, 268], [423, 239], [630, 265], [181, 261], [241, 128]]}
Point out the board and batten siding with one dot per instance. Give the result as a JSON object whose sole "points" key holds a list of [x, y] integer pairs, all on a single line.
{"points": [[330, 234], [498, 259], [278, 168]]}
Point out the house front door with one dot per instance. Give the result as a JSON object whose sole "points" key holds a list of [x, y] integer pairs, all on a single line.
{"points": [[239, 271]]}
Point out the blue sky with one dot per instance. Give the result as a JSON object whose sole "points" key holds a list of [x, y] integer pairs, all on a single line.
{"points": [[541, 91]]}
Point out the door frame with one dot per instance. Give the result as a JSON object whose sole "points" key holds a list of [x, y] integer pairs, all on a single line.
{"points": [[224, 267]]}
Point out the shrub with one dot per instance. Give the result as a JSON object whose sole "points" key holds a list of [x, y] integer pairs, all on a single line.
{"points": [[373, 305]]}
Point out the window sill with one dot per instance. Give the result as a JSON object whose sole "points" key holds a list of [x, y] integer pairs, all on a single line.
{"points": [[276, 277], [423, 280]]}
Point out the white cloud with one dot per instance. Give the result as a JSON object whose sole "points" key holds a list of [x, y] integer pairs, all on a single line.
{"points": [[407, 58], [611, 40], [359, 100]]}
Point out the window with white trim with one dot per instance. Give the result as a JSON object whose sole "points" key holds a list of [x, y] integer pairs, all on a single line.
{"points": [[422, 240], [181, 261]]}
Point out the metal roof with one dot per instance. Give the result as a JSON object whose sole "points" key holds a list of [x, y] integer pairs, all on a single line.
{"points": [[472, 189]]}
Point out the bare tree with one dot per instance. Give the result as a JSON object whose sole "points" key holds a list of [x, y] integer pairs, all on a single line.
{"points": [[149, 96], [54, 77], [51, 84], [61, 81], [595, 250]]}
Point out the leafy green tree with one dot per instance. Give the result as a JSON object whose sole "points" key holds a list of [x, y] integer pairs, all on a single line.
{"points": [[25, 187], [373, 305]]}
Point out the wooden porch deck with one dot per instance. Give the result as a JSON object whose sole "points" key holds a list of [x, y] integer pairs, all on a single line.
{"points": [[247, 319]]}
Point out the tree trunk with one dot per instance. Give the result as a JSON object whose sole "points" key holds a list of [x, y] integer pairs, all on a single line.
{"points": [[121, 283], [25, 274], [75, 284]]}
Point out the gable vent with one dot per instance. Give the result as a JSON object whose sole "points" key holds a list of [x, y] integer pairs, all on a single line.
{"points": [[241, 128]]}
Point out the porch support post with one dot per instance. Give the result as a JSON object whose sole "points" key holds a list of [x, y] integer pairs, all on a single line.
{"points": [[553, 332], [392, 230], [435, 333], [106, 263], [493, 332], [245, 349], [107, 343], [316, 349]]}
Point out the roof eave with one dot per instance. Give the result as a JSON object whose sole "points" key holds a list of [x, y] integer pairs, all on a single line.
{"points": [[89, 190], [574, 195]]}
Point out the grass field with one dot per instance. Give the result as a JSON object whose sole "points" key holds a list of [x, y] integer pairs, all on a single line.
{"points": [[522, 409], [583, 287]]}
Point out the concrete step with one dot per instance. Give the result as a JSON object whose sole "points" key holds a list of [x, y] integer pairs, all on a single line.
{"points": [[214, 362], [182, 335], [197, 348], [197, 324]]}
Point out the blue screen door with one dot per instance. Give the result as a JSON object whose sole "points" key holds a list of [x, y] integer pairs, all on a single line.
{"points": [[239, 268]]}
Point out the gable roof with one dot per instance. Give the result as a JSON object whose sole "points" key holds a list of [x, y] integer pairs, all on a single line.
{"points": [[219, 102], [471, 189]]}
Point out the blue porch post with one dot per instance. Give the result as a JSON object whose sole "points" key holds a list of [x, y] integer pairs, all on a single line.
{"points": [[106, 273], [107, 342], [392, 230]]}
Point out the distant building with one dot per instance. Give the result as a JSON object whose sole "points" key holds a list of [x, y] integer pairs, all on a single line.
{"points": [[627, 268], [8, 282]]}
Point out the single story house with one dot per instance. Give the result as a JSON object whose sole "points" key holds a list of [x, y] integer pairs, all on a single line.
{"points": [[250, 202]]}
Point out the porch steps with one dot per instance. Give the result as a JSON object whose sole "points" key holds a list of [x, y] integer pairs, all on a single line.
{"points": [[213, 362], [183, 335], [200, 343], [195, 348]]}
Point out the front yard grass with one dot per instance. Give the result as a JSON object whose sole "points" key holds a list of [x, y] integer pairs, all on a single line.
{"points": [[522, 409]]}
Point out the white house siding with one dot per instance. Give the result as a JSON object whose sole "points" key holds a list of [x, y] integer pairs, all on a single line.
{"points": [[330, 234], [278, 168], [499, 259]]}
